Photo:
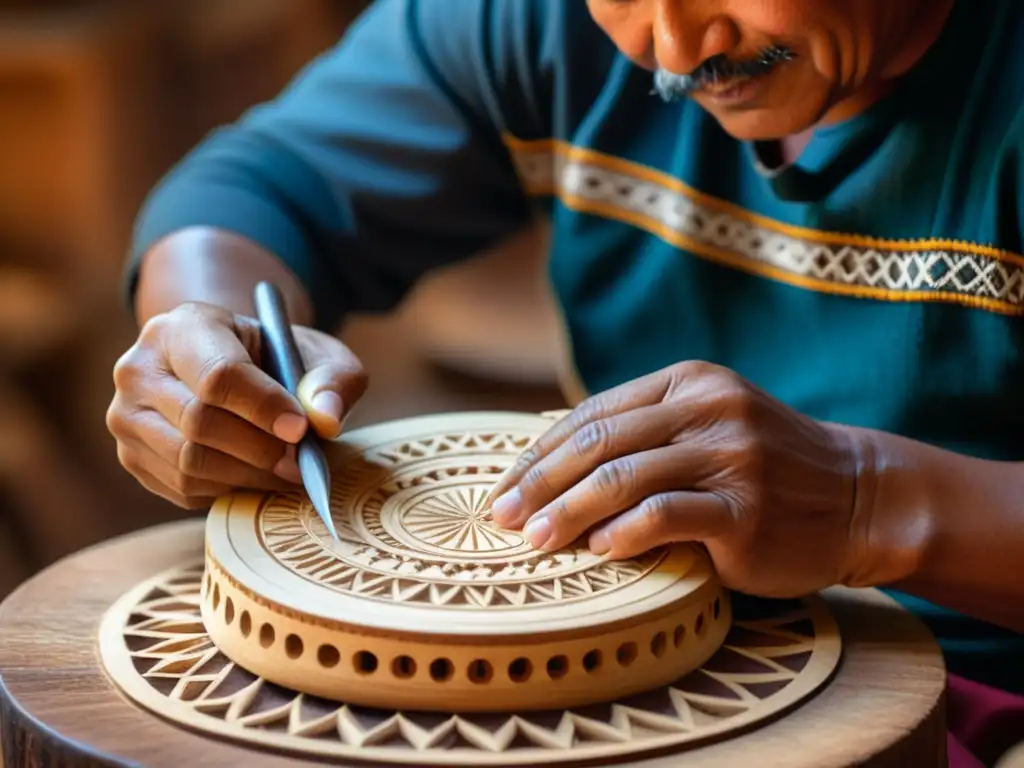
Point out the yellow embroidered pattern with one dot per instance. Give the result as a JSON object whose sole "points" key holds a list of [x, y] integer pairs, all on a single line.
{"points": [[851, 265]]}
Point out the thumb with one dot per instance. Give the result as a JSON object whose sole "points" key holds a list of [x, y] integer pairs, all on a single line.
{"points": [[333, 384]]}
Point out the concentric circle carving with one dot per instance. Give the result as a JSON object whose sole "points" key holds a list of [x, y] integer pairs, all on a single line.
{"points": [[412, 514], [155, 647]]}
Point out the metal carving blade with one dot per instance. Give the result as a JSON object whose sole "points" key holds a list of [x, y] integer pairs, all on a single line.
{"points": [[284, 363], [316, 477]]}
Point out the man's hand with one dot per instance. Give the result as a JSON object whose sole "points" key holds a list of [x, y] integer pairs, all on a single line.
{"points": [[694, 453], [195, 416]]}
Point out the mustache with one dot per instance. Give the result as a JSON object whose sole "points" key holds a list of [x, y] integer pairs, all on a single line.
{"points": [[672, 87]]}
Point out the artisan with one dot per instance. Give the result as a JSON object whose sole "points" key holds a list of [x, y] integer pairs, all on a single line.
{"points": [[787, 241]]}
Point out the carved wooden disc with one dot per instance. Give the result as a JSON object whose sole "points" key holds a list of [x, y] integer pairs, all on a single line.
{"points": [[427, 604], [155, 647]]}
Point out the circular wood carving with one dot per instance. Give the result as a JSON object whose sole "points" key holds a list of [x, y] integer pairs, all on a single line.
{"points": [[425, 603], [155, 647], [883, 707]]}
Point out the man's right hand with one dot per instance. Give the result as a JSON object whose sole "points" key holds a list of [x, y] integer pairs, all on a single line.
{"points": [[195, 416]]}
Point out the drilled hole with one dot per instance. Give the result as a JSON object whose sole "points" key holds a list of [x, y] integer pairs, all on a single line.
{"points": [[717, 608], [229, 611], [293, 646], [658, 644], [678, 636], [698, 628], [245, 624], [365, 663], [216, 596], [592, 660], [328, 656], [519, 670], [557, 667], [441, 670], [266, 635], [403, 667], [480, 671], [626, 654]]}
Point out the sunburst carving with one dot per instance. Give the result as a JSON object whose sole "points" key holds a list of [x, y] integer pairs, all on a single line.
{"points": [[776, 654], [456, 520]]}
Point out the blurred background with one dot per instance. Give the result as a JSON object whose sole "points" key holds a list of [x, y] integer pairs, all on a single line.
{"points": [[98, 98]]}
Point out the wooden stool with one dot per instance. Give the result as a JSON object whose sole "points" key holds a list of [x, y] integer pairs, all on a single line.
{"points": [[884, 707]]}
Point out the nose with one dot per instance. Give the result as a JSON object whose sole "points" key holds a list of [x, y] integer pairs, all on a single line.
{"points": [[685, 34]]}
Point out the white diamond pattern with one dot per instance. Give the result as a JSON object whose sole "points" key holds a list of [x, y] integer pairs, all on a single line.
{"points": [[949, 271]]}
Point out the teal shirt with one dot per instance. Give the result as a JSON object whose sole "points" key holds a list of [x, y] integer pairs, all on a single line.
{"points": [[878, 282]]}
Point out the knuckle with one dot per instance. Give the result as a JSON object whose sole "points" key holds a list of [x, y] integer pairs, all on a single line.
{"points": [[593, 437], [215, 378], [686, 368], [266, 458], [194, 502], [184, 486], [195, 419], [559, 516], [587, 411], [526, 459], [155, 327], [616, 479], [733, 397], [191, 461], [655, 517], [534, 483], [117, 420], [128, 459], [126, 371], [691, 369]]}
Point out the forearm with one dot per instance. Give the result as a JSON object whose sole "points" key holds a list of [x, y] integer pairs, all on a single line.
{"points": [[215, 267], [944, 527]]}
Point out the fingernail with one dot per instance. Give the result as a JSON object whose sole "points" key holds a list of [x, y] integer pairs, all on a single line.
{"points": [[506, 507], [290, 427], [328, 403], [288, 468], [600, 542], [538, 531]]}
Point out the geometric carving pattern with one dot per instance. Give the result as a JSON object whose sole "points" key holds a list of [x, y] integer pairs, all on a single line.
{"points": [[155, 646], [413, 530]]}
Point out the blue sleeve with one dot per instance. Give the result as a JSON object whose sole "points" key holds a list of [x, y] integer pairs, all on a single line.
{"points": [[383, 159]]}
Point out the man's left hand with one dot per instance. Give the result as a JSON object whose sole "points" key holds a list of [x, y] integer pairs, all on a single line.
{"points": [[694, 453]]}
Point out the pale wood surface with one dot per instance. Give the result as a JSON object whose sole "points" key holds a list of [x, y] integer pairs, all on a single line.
{"points": [[884, 708]]}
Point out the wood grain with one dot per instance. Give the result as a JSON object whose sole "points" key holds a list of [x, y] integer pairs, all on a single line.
{"points": [[57, 708]]}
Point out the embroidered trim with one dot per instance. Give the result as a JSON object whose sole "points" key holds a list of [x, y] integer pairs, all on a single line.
{"points": [[851, 265]]}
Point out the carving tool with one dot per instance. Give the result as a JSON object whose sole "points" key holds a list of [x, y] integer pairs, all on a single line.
{"points": [[284, 363]]}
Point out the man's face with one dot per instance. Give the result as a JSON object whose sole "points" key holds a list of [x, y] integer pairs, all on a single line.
{"points": [[765, 69]]}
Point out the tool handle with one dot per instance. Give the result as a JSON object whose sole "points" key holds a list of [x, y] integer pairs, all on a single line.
{"points": [[280, 352]]}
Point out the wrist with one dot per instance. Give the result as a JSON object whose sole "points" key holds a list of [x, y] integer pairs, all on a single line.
{"points": [[890, 525], [217, 268]]}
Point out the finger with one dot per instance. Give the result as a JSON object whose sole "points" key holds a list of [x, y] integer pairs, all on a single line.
{"points": [[636, 394], [196, 470], [660, 519], [588, 450], [147, 480], [333, 384], [215, 365], [612, 488], [186, 415]]}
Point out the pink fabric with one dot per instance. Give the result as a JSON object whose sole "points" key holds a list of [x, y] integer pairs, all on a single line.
{"points": [[958, 755], [983, 723]]}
